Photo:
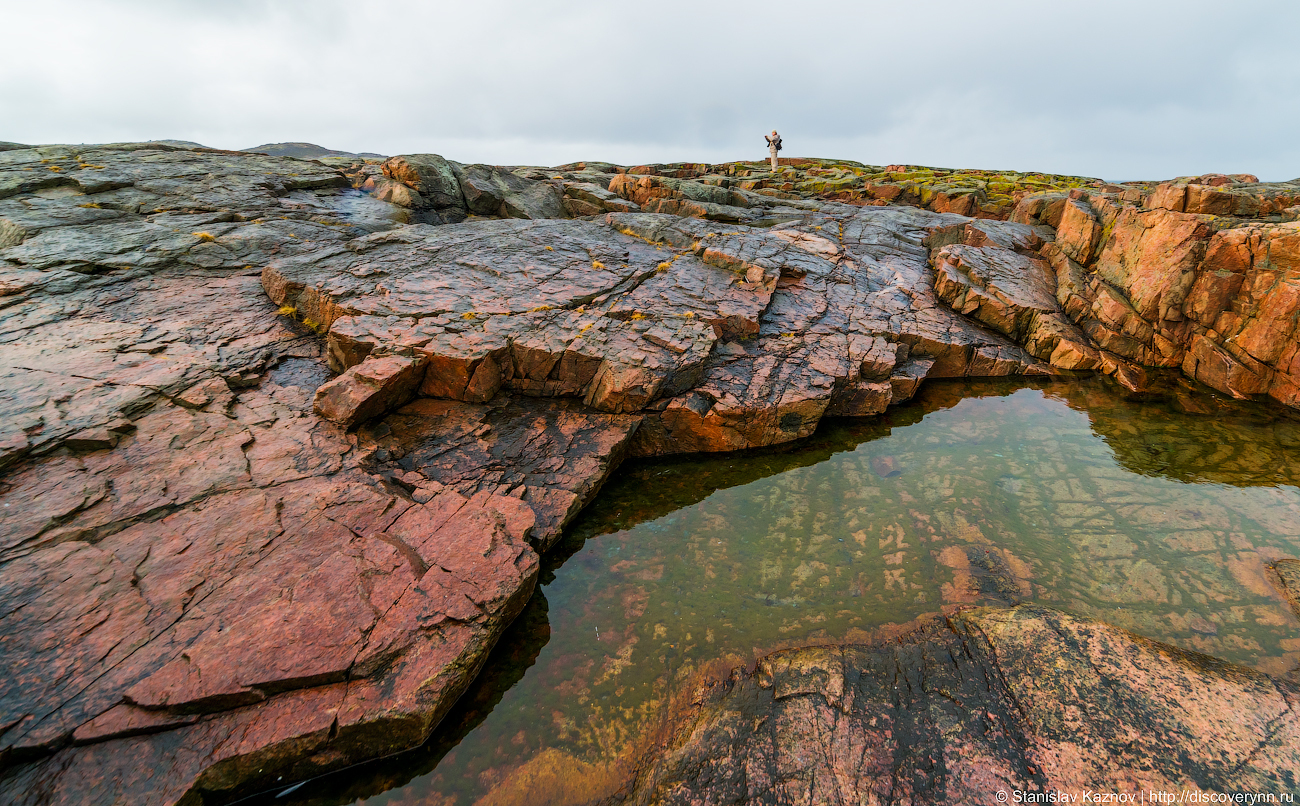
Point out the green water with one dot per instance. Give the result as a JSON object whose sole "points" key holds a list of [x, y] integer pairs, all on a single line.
{"points": [[1159, 516]]}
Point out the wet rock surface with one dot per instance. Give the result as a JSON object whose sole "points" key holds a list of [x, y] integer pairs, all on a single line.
{"points": [[220, 567], [1026, 699], [552, 455]]}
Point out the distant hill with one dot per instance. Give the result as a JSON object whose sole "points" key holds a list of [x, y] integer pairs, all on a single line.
{"points": [[309, 151], [180, 143]]}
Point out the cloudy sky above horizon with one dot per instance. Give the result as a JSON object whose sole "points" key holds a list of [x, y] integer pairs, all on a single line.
{"points": [[1121, 90]]}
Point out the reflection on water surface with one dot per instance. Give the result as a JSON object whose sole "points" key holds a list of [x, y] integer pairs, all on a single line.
{"points": [[1156, 516]]}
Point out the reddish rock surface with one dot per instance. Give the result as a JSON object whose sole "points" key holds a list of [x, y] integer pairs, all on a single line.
{"points": [[1201, 274], [1027, 699], [220, 568], [551, 455]]}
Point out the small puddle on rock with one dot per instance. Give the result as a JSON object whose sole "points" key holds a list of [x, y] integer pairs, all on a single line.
{"points": [[1068, 495]]}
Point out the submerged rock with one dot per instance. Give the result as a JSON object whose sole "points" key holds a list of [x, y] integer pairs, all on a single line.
{"points": [[1027, 699]]}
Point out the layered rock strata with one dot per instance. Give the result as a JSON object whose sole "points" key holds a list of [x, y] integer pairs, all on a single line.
{"points": [[725, 336], [220, 568], [1200, 274]]}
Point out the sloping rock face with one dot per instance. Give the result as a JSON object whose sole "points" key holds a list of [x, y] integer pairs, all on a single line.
{"points": [[552, 454], [221, 568], [1200, 274], [1025, 700], [204, 586], [724, 336]]}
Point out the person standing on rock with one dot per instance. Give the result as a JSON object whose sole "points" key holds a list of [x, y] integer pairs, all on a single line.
{"points": [[773, 146]]}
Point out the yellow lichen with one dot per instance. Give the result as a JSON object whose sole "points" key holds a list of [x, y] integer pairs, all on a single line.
{"points": [[539, 308], [468, 315], [288, 310], [91, 205], [550, 249], [596, 264], [54, 168], [206, 237], [636, 317], [311, 323], [664, 266]]}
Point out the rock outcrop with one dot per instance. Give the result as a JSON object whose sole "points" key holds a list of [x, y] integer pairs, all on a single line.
{"points": [[1202, 274], [221, 568], [1025, 700]]}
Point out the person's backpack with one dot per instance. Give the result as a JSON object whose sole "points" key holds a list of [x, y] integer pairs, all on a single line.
{"points": [[777, 143]]}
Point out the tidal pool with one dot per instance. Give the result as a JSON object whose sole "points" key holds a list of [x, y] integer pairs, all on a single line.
{"points": [[1158, 515]]}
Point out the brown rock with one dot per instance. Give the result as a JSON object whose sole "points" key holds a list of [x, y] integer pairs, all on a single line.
{"points": [[1151, 257], [370, 388], [212, 391], [1078, 232], [553, 456], [183, 508], [1026, 699], [1214, 366]]}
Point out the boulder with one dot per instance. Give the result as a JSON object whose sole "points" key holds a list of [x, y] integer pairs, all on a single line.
{"points": [[495, 191], [430, 176], [366, 390]]}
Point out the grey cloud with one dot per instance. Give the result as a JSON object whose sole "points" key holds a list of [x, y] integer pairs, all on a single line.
{"points": [[1115, 89]]}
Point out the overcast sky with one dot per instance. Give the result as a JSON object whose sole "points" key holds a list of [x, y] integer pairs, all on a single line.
{"points": [[1121, 90]]}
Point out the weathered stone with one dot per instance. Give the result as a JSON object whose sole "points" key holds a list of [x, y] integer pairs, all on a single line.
{"points": [[1078, 233], [212, 391], [988, 701], [612, 364], [1000, 288], [376, 385], [551, 455], [599, 198], [494, 191], [432, 178]]}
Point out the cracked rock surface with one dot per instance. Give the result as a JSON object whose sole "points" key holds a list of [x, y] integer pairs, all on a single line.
{"points": [[280, 442], [1024, 699]]}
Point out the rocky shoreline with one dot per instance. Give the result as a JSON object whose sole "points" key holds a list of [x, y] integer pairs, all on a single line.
{"points": [[220, 568]]}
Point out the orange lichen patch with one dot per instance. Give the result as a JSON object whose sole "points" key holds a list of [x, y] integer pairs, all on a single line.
{"points": [[206, 237]]}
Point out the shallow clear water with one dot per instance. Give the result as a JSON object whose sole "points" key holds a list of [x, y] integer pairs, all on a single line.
{"points": [[1158, 516]]}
